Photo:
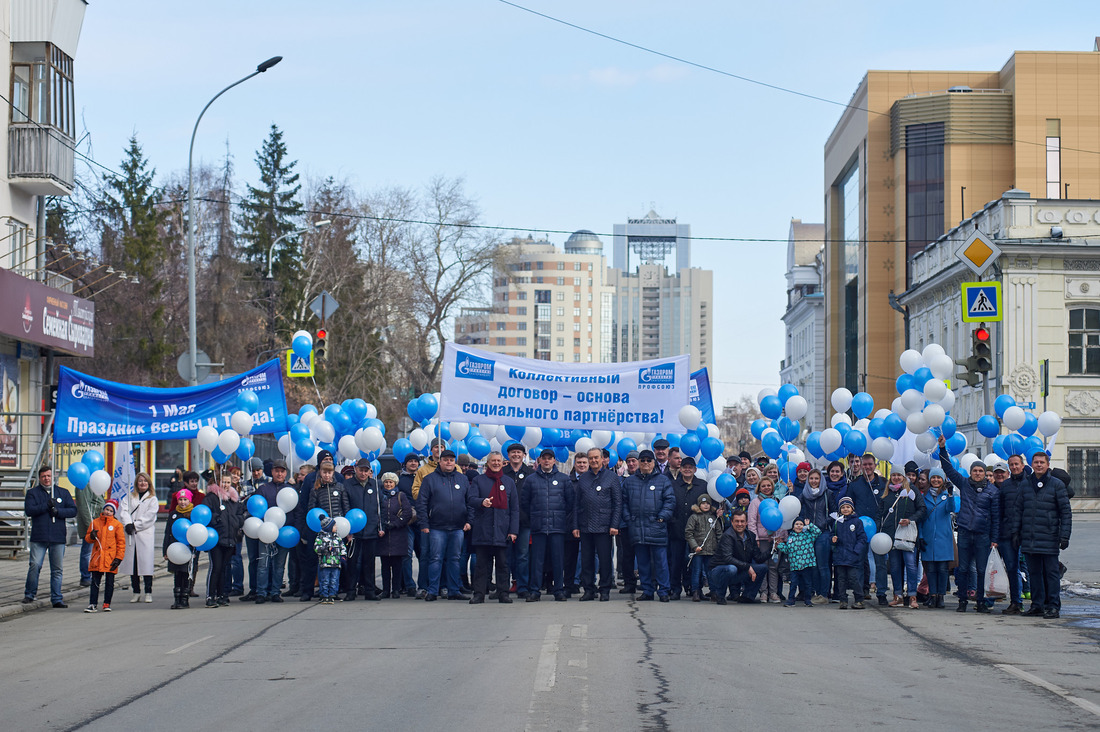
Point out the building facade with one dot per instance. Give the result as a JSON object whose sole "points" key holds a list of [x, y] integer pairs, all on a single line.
{"points": [[912, 155], [1049, 274], [804, 320]]}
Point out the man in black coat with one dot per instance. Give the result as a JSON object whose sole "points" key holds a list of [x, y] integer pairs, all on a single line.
{"points": [[272, 557], [1010, 487], [47, 506], [596, 521], [409, 583], [519, 555], [867, 492], [493, 515], [1043, 525], [362, 494], [737, 561], [686, 488], [547, 498]]}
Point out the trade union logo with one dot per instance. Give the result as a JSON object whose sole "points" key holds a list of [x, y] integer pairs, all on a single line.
{"points": [[472, 367], [662, 374], [255, 379], [81, 390]]}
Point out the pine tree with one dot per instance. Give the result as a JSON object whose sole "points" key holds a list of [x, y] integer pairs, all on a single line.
{"points": [[271, 209]]}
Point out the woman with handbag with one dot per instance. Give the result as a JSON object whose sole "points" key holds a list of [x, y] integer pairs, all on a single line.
{"points": [[903, 509]]}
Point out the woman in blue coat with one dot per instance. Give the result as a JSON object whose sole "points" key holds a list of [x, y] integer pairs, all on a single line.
{"points": [[494, 523], [937, 535]]}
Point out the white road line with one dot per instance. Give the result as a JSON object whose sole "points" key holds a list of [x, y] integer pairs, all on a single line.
{"points": [[547, 668], [1054, 689], [188, 645], [579, 631]]}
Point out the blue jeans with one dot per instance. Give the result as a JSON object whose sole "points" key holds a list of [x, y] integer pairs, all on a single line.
{"points": [[904, 572], [407, 562], [539, 544], [801, 579], [519, 559], [269, 572], [937, 577], [700, 566], [86, 557], [38, 555], [328, 579], [445, 548], [822, 576], [973, 547], [652, 565], [723, 576], [254, 552], [1010, 553]]}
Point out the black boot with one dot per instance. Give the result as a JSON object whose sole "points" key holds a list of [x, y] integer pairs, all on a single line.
{"points": [[177, 601], [962, 607], [466, 586]]}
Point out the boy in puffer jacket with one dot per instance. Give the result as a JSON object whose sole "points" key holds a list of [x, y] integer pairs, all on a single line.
{"points": [[108, 541], [702, 533], [799, 548], [331, 552]]}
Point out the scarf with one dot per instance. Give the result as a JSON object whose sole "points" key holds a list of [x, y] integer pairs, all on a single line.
{"points": [[498, 497], [837, 486], [906, 493], [810, 492]]}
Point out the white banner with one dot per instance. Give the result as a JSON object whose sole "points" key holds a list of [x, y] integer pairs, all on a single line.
{"points": [[644, 396]]}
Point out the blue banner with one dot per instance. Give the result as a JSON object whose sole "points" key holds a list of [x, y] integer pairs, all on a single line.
{"points": [[699, 395], [96, 410]]}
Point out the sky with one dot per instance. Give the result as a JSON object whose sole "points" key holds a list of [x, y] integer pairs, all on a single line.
{"points": [[551, 127]]}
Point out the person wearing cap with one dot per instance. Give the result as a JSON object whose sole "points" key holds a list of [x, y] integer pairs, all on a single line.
{"points": [[329, 494], [598, 501], [660, 454], [441, 506], [979, 525], [429, 466], [256, 479], [1043, 524], [547, 498], [364, 494], [109, 538], [938, 536], [493, 515], [649, 504], [409, 584], [1011, 479], [631, 462], [686, 488], [271, 557], [47, 506], [519, 553]]}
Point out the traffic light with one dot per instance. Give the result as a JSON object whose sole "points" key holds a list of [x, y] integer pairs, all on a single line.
{"points": [[320, 345], [983, 354], [968, 376]]}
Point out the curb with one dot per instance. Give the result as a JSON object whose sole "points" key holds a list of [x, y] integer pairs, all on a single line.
{"points": [[16, 609]]}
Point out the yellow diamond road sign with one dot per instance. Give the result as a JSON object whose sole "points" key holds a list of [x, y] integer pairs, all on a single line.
{"points": [[978, 252]]}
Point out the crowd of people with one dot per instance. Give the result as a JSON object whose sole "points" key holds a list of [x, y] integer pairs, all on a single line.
{"points": [[647, 528]]}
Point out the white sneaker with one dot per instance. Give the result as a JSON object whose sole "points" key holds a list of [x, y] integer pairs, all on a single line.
{"points": [[136, 598], [91, 609], [148, 597]]}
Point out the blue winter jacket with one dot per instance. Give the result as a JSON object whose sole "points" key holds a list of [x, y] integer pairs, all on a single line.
{"points": [[648, 504], [851, 542], [46, 529], [547, 499], [980, 503], [1010, 491], [599, 501], [491, 526], [441, 503], [935, 527]]}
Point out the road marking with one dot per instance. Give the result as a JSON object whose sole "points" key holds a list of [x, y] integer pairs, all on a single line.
{"points": [[579, 631], [547, 667], [188, 645], [1052, 688]]}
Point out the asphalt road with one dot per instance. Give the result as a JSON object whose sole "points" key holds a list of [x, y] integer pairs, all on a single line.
{"points": [[551, 666]]}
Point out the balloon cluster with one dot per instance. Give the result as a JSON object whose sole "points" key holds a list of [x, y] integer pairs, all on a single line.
{"points": [[783, 412], [350, 430], [1022, 427], [271, 528], [192, 534], [235, 439], [89, 473]]}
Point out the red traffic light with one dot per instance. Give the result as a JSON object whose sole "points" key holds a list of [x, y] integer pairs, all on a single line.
{"points": [[323, 333], [981, 334]]}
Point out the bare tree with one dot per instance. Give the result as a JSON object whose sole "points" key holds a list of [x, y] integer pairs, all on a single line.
{"points": [[735, 425]]}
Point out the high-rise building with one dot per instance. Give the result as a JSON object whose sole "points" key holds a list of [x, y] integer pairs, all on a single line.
{"points": [[804, 360], [548, 303], [912, 155], [658, 313]]}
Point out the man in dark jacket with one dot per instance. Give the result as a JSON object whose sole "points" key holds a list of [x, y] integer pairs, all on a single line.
{"points": [[648, 507], [272, 557], [596, 520], [624, 547], [867, 491], [1043, 525], [409, 584], [328, 493], [493, 515], [362, 494], [47, 506], [737, 561], [247, 487], [1010, 486], [441, 507], [519, 555], [547, 498], [687, 488], [978, 523]]}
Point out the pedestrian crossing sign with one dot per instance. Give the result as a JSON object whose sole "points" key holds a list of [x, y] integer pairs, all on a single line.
{"points": [[981, 302], [296, 366]]}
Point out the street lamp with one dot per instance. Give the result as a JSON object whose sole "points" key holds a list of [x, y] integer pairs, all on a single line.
{"points": [[271, 250], [193, 338]]}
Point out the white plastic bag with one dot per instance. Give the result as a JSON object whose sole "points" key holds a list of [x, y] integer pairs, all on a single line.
{"points": [[996, 578]]}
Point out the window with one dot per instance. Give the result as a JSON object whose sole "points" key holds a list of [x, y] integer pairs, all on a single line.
{"points": [[521, 341], [561, 327], [561, 280], [559, 357], [589, 268], [522, 295], [576, 297], [522, 325], [500, 325], [576, 327], [560, 312], [589, 297], [577, 357], [576, 343], [42, 91], [576, 312], [590, 312], [1054, 158], [538, 265], [560, 342], [576, 266], [561, 265], [561, 297], [521, 310], [501, 341], [924, 214], [542, 296], [1083, 467], [1084, 341], [589, 342], [589, 327]]}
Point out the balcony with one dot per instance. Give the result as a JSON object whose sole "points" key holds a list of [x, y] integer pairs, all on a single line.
{"points": [[40, 160]]}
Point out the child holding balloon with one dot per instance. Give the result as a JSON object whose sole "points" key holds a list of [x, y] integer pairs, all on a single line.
{"points": [[178, 534], [767, 537]]}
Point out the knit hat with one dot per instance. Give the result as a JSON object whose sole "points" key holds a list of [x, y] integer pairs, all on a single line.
{"points": [[846, 501], [704, 498], [327, 523], [323, 456], [744, 455], [804, 466], [632, 454], [911, 467], [184, 495], [936, 471], [389, 476], [256, 464], [893, 469], [741, 492], [977, 464], [111, 504]]}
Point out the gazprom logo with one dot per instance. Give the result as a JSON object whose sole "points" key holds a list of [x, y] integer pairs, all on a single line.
{"points": [[255, 379], [472, 367], [81, 390], [663, 374]]}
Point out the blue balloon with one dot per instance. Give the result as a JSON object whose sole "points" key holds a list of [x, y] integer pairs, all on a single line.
{"points": [[772, 444], [1014, 444], [79, 474], [257, 505], [895, 426], [771, 407], [1033, 445], [292, 419], [843, 428], [988, 426], [813, 444], [303, 449], [478, 446], [561, 453], [357, 517], [1001, 403], [855, 442], [356, 409], [788, 428], [702, 432], [218, 456], [837, 454], [414, 412], [313, 518], [788, 472], [515, 431], [757, 427], [862, 404], [673, 440], [786, 392], [306, 408], [690, 444], [247, 401], [246, 449], [401, 449], [330, 446], [612, 459], [376, 467], [179, 529], [904, 383], [1031, 423], [711, 448], [298, 432], [93, 459], [201, 514], [288, 537], [302, 346], [876, 428], [211, 540], [429, 405], [331, 410], [551, 435], [726, 485], [999, 446], [869, 527], [625, 445], [343, 423], [949, 427], [921, 377], [771, 518], [956, 444]]}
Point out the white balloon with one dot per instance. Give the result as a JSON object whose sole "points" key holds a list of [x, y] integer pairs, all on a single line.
{"points": [[322, 430], [966, 461], [268, 533], [287, 499], [601, 438], [208, 438], [252, 526], [99, 482], [488, 431], [309, 418], [712, 491], [881, 544], [882, 448], [228, 441], [638, 437], [1014, 418], [459, 430], [931, 351], [797, 407], [583, 445], [1049, 423], [347, 448], [840, 417], [418, 438], [948, 401], [370, 439], [923, 460], [934, 390], [690, 416], [531, 437], [934, 415], [899, 408], [241, 422], [372, 411], [941, 366], [913, 400], [496, 445], [883, 413], [275, 515], [343, 526], [910, 361], [916, 423], [765, 392], [712, 431], [790, 507], [305, 333], [179, 553], [926, 442], [794, 455], [830, 440], [841, 399], [862, 425], [718, 464], [196, 535], [284, 445]]}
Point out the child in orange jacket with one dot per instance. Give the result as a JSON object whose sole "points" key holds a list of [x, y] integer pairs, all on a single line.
{"points": [[108, 540]]}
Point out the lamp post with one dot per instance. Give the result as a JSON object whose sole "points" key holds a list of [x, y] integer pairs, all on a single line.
{"points": [[271, 249], [317, 225], [193, 339]]}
